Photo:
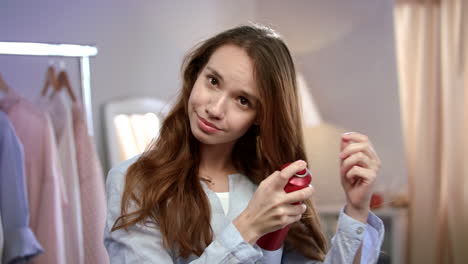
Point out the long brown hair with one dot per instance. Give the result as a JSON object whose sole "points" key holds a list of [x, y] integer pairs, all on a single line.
{"points": [[164, 184]]}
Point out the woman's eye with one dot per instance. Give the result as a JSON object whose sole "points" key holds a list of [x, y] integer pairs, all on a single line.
{"points": [[243, 101], [212, 80]]}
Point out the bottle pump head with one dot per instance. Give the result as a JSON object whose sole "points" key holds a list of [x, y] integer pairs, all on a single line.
{"points": [[302, 173]]}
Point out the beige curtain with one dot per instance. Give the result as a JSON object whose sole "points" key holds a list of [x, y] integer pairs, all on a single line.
{"points": [[431, 38]]}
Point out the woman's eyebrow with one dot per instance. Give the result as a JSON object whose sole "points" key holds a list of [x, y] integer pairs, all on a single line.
{"points": [[215, 72]]}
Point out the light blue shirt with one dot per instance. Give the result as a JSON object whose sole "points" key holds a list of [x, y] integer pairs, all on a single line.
{"points": [[20, 242], [143, 244]]}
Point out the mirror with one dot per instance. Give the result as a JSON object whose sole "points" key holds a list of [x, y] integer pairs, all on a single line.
{"points": [[130, 125]]}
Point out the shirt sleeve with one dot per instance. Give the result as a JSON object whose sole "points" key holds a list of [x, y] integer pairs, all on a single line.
{"points": [[143, 244], [20, 242], [349, 236], [373, 239]]}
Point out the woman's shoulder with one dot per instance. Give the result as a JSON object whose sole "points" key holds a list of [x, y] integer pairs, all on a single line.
{"points": [[116, 176], [124, 165]]}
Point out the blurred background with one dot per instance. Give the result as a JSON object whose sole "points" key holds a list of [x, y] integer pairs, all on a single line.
{"points": [[393, 70]]}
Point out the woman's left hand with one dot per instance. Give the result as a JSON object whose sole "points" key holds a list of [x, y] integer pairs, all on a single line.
{"points": [[359, 166]]}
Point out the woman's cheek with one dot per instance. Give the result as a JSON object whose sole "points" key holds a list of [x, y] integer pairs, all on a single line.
{"points": [[195, 98]]}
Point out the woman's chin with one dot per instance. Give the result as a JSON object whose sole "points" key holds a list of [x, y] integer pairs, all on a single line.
{"points": [[204, 138], [208, 139]]}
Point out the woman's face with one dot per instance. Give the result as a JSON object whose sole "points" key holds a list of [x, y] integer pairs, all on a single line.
{"points": [[223, 102]]}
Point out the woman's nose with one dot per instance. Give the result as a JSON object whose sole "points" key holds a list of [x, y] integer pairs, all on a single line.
{"points": [[216, 107]]}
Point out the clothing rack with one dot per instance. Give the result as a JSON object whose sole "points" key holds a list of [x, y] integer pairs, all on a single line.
{"points": [[61, 50]]}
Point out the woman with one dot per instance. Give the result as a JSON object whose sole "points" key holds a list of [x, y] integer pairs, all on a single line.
{"points": [[236, 122]]}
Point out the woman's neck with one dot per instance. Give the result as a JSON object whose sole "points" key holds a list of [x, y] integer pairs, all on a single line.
{"points": [[216, 157], [215, 162]]}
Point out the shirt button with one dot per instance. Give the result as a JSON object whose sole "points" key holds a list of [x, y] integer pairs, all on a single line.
{"points": [[359, 230]]}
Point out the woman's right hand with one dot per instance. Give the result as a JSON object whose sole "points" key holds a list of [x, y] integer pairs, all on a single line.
{"points": [[271, 208]]}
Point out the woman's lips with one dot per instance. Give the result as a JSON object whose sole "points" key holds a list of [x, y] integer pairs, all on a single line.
{"points": [[207, 126]]}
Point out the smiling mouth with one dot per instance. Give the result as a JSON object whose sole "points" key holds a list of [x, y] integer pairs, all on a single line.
{"points": [[207, 126]]}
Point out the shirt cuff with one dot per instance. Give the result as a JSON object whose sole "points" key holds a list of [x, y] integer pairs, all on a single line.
{"points": [[371, 234], [373, 239], [350, 227], [21, 244], [232, 240]]}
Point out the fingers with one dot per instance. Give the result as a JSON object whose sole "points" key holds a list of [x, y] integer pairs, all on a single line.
{"points": [[293, 209], [344, 143], [359, 159], [352, 137], [286, 220], [281, 178], [289, 214], [299, 195], [358, 173], [360, 143], [353, 147]]}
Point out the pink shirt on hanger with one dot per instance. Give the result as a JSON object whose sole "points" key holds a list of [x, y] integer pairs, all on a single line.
{"points": [[92, 190], [59, 109], [34, 129]]}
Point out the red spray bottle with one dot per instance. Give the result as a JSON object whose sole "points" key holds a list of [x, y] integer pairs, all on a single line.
{"points": [[273, 241]]}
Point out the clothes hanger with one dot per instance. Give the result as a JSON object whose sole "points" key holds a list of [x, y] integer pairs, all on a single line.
{"points": [[50, 80], [63, 81], [3, 86]]}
